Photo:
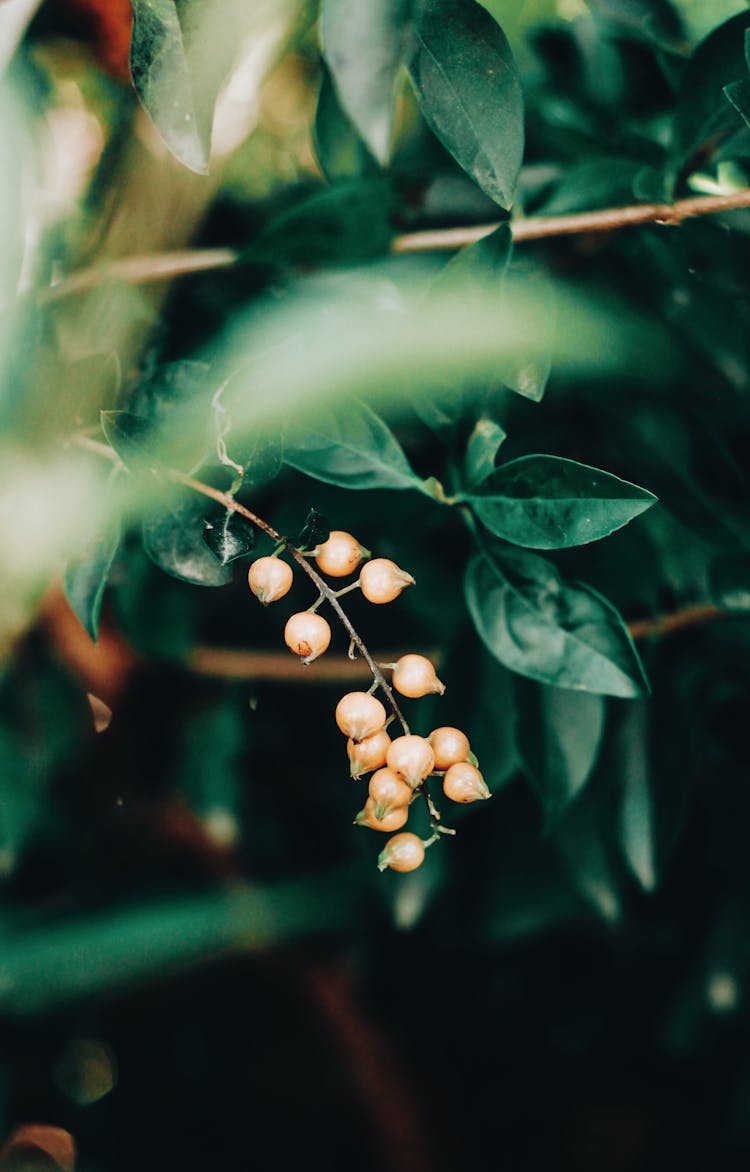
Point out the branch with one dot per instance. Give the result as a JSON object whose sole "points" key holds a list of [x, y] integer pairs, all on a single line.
{"points": [[666, 624], [165, 266]]}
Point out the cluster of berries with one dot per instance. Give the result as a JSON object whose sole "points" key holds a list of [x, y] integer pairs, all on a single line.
{"points": [[400, 767]]}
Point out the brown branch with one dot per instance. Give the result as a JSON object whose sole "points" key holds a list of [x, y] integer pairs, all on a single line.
{"points": [[233, 663], [666, 624], [164, 266]]}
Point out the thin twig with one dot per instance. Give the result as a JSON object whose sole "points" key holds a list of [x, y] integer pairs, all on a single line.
{"points": [[666, 624], [165, 266]]}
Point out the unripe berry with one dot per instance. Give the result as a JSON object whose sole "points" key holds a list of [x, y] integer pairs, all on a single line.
{"points": [[359, 715], [389, 790], [449, 745], [414, 675], [369, 754], [403, 852], [307, 635], [412, 758], [381, 580], [340, 555], [381, 818], [464, 783], [269, 579]]}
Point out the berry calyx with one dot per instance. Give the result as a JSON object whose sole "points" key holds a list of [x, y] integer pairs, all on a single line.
{"points": [[382, 580], [379, 817], [269, 579], [464, 783], [403, 852], [388, 790], [369, 754], [307, 635], [412, 758], [414, 676], [359, 715], [340, 554], [450, 746]]}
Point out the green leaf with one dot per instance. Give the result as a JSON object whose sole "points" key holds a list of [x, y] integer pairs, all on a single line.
{"points": [[558, 735], [349, 446], [173, 539], [637, 831], [364, 46], [85, 578], [549, 630], [485, 261], [582, 843], [729, 581], [314, 532], [738, 93], [467, 86], [132, 437], [546, 502], [176, 400], [341, 152], [594, 183], [229, 536], [482, 448]]}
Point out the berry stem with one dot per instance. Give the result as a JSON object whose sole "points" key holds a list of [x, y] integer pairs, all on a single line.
{"points": [[347, 589]]}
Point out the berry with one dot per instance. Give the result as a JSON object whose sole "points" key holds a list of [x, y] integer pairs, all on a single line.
{"points": [[307, 635], [381, 580], [388, 790], [412, 758], [464, 783], [403, 852], [340, 555], [369, 754], [450, 746], [380, 817], [359, 715], [269, 579], [414, 675]]}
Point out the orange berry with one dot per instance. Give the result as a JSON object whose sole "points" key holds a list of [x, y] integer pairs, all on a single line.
{"points": [[359, 715], [269, 579], [464, 783], [369, 754], [381, 817], [414, 675], [403, 852], [340, 555], [389, 790], [412, 758], [449, 745], [307, 635], [381, 580]]}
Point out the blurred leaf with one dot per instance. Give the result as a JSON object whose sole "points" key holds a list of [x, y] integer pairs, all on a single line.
{"points": [[350, 446], [229, 536], [468, 89], [314, 532], [132, 437], [21, 797], [340, 151], [738, 93], [545, 502], [86, 577], [581, 841], [558, 734], [173, 539], [555, 632], [591, 184], [485, 261], [365, 45], [637, 832], [729, 581], [262, 458], [176, 399], [481, 451]]}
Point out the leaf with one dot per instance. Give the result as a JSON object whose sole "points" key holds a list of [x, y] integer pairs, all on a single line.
{"points": [[558, 734], [350, 446], [594, 183], [486, 261], [729, 581], [132, 438], [364, 46], [481, 450], [341, 152], [85, 579], [549, 630], [546, 502], [583, 845], [468, 89], [176, 399], [229, 536], [173, 539], [314, 532], [262, 459], [637, 833], [738, 93]]}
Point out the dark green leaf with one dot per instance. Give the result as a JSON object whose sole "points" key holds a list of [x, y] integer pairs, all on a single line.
{"points": [[637, 832], [558, 735], [132, 437], [85, 578], [349, 446], [485, 261], [467, 85], [176, 399], [262, 459], [582, 842], [594, 183], [364, 45], [738, 93], [545, 502], [314, 532], [341, 152], [173, 539], [729, 581], [481, 450], [229, 536], [549, 630]]}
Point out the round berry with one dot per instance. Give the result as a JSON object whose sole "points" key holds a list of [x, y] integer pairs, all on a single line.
{"points": [[449, 745], [269, 579], [464, 783], [389, 790], [340, 555], [381, 817], [307, 635], [369, 754], [381, 580], [403, 852], [414, 675], [411, 758], [359, 715]]}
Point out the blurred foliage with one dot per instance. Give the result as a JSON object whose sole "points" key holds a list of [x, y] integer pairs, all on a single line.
{"points": [[551, 435]]}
